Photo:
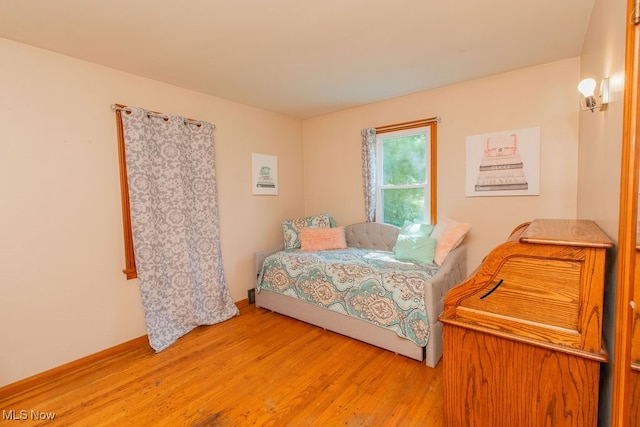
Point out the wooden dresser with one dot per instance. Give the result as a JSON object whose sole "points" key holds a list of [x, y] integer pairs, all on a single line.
{"points": [[523, 333]]}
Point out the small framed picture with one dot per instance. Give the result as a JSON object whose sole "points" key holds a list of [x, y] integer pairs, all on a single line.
{"points": [[265, 174]]}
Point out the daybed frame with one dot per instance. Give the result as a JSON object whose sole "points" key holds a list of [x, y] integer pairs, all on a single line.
{"points": [[383, 237]]}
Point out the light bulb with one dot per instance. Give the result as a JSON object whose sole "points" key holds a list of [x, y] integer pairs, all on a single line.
{"points": [[587, 87]]}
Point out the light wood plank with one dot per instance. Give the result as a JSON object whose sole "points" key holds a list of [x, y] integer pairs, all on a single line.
{"points": [[259, 368]]}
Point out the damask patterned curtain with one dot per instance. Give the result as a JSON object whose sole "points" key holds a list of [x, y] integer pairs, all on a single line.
{"points": [[369, 172], [175, 224]]}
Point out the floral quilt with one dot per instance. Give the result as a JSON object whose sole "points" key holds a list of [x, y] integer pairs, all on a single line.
{"points": [[364, 283]]}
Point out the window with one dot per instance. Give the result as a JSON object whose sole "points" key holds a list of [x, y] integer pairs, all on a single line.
{"points": [[406, 170]]}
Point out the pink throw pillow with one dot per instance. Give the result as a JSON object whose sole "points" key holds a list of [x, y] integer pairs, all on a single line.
{"points": [[322, 239], [449, 235]]}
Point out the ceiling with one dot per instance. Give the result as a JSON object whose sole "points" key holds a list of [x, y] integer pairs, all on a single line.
{"points": [[304, 57]]}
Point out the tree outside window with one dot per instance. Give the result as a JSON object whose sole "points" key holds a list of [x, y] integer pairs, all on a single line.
{"points": [[404, 171]]}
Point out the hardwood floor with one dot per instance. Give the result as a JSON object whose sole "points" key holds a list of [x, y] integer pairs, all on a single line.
{"points": [[257, 369]]}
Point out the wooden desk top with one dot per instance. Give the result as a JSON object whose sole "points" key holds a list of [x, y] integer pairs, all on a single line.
{"points": [[568, 232]]}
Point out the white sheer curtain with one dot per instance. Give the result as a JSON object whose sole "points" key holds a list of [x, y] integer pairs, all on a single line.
{"points": [[369, 172], [174, 219]]}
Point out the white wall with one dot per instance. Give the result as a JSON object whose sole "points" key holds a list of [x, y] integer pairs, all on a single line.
{"points": [[543, 96], [63, 295], [603, 55], [62, 290]]}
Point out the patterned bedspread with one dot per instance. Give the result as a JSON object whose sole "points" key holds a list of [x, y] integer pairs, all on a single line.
{"points": [[364, 283]]}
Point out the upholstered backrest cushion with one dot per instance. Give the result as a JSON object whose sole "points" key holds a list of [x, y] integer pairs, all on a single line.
{"points": [[291, 228], [371, 235], [322, 239]]}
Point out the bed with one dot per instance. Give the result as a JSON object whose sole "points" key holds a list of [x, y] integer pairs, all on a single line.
{"points": [[363, 291]]}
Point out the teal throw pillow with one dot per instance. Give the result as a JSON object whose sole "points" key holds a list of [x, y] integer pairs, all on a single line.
{"points": [[419, 249]]}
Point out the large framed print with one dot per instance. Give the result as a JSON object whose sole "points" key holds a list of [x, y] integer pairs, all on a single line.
{"points": [[505, 163]]}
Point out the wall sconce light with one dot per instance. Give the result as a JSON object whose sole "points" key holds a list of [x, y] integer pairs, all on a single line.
{"points": [[587, 89]]}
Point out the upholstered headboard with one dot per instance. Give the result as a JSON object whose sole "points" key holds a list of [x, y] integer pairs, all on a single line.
{"points": [[371, 235]]}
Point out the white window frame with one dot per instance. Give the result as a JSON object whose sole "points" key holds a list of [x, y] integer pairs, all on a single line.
{"points": [[429, 186]]}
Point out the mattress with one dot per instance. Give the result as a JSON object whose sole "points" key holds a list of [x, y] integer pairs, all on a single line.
{"points": [[367, 284]]}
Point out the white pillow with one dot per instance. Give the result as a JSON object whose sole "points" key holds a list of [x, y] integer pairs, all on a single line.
{"points": [[449, 234]]}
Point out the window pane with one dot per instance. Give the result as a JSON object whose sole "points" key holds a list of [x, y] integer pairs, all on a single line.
{"points": [[404, 160], [403, 204]]}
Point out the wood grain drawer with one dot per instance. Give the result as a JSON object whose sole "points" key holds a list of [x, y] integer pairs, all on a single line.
{"points": [[544, 291], [539, 286], [500, 382], [556, 299]]}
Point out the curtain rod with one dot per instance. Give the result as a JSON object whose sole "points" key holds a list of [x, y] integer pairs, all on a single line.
{"points": [[122, 107], [407, 125]]}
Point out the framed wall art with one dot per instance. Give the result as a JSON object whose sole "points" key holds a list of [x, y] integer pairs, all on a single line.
{"points": [[265, 174], [503, 163]]}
